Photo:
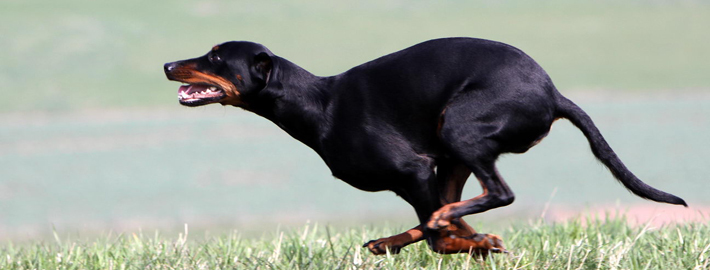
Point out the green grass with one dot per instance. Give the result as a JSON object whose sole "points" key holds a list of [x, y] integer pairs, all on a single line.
{"points": [[612, 244]]}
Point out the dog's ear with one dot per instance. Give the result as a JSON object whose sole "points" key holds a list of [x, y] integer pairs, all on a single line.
{"points": [[261, 68]]}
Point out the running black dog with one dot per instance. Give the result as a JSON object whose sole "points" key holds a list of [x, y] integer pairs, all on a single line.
{"points": [[417, 122]]}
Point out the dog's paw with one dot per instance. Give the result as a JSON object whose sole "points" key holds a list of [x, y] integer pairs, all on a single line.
{"points": [[439, 220], [380, 246], [488, 242]]}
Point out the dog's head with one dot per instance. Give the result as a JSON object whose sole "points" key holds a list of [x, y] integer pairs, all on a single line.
{"points": [[226, 74]]}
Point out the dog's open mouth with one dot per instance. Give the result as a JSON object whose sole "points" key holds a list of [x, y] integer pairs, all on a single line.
{"points": [[199, 94]]}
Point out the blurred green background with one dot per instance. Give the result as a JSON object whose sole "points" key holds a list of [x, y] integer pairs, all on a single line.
{"points": [[92, 137]]}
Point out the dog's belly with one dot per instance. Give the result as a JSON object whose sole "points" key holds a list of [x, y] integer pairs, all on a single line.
{"points": [[367, 181], [375, 163]]}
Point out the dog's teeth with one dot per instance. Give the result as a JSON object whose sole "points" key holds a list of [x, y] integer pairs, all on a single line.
{"points": [[212, 88]]}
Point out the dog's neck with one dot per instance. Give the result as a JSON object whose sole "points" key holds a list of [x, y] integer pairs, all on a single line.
{"points": [[296, 101]]}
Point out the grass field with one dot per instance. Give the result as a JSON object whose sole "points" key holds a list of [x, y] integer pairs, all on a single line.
{"points": [[611, 244]]}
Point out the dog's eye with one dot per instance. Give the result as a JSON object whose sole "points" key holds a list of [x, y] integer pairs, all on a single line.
{"points": [[214, 58]]}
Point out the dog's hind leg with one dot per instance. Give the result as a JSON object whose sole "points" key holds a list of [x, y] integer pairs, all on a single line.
{"points": [[457, 236], [450, 179], [496, 193], [475, 130]]}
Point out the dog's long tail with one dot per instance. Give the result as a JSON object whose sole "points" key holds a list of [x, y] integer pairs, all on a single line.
{"points": [[601, 149]]}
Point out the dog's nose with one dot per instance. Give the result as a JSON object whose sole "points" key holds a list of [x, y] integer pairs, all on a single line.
{"points": [[170, 67]]}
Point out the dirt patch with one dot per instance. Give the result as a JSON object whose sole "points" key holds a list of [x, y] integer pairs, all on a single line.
{"points": [[641, 214]]}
